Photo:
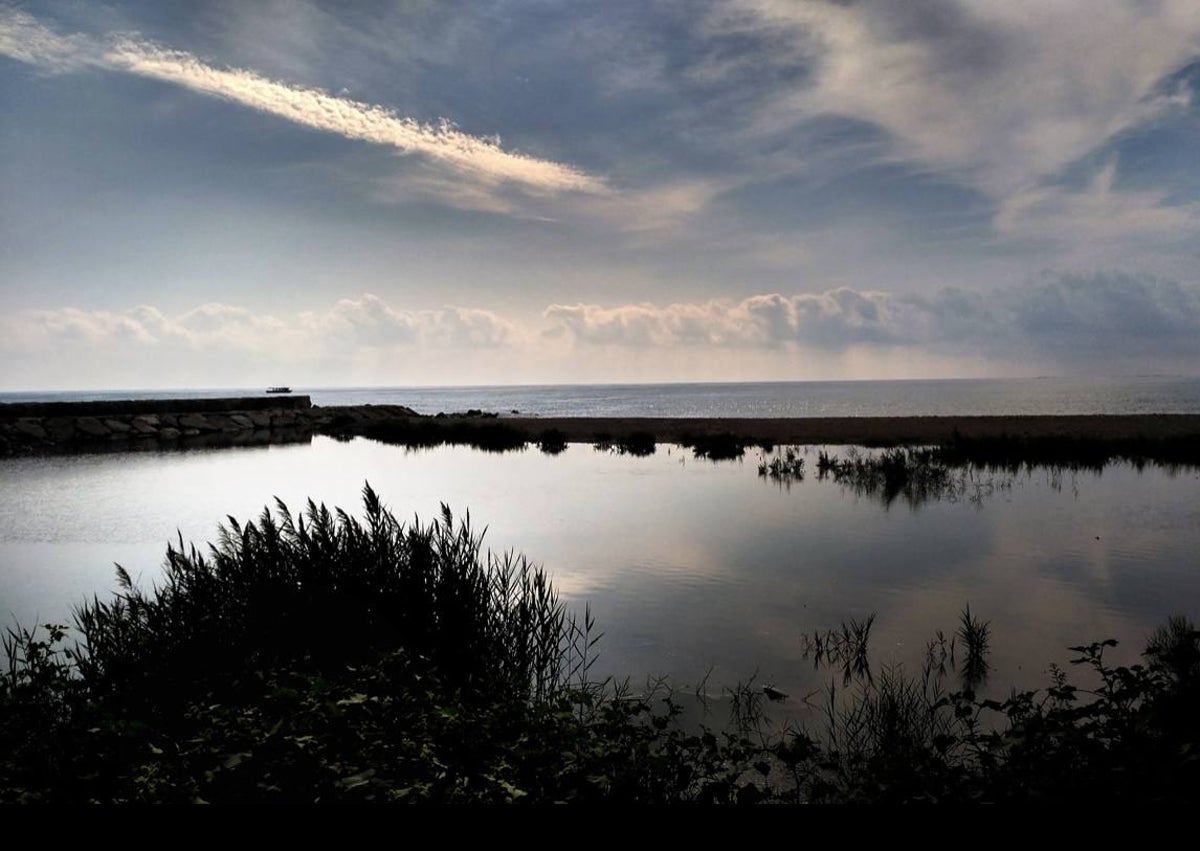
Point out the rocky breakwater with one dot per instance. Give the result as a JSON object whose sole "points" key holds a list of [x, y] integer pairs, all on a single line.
{"points": [[56, 427], [36, 428]]}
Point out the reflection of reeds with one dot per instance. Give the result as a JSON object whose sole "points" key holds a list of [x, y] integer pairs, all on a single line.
{"points": [[717, 447], [552, 442], [640, 444], [972, 468], [488, 436], [916, 474], [1013, 453], [974, 635], [784, 467], [848, 647]]}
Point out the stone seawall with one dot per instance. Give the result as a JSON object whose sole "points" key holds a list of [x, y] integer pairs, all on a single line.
{"points": [[111, 407], [87, 426]]}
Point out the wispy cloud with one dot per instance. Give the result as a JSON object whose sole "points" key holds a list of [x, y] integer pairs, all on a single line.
{"points": [[1097, 218], [25, 39], [1002, 94], [999, 97]]}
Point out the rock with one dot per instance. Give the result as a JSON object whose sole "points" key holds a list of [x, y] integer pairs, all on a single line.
{"points": [[142, 427], [168, 433], [91, 427], [118, 427], [220, 422], [261, 419], [31, 428], [148, 419], [773, 693], [242, 421], [190, 432], [197, 423], [169, 420], [60, 429]]}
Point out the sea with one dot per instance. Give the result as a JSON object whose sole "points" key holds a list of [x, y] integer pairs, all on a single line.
{"points": [[1051, 395]]}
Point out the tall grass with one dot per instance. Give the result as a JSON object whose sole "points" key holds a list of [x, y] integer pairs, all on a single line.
{"points": [[426, 432], [324, 587]]}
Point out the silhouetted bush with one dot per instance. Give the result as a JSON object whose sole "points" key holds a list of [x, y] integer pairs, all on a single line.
{"points": [[425, 432], [717, 447], [552, 442], [637, 443]]}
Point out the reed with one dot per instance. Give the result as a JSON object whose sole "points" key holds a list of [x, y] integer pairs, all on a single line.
{"points": [[552, 442], [975, 636], [724, 446], [785, 467], [328, 588], [478, 433], [640, 444]]}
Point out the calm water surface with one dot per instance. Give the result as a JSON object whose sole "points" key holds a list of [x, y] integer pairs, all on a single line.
{"points": [[687, 564], [1127, 395]]}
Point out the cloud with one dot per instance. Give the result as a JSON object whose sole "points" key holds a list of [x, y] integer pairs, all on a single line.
{"points": [[1002, 98], [1061, 312], [1096, 216], [370, 321], [1071, 318], [1108, 321], [23, 38], [1000, 94], [1088, 315], [835, 319], [367, 322]]}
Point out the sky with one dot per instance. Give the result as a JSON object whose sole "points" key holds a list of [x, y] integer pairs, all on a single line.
{"points": [[234, 193]]}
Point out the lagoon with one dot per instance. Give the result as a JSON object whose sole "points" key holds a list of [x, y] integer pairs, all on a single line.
{"points": [[690, 567]]}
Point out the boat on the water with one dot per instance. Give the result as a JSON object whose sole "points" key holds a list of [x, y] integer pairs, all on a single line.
{"points": [[279, 390]]}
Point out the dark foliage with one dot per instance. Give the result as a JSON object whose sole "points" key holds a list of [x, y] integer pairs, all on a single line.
{"points": [[717, 447], [552, 441], [424, 432], [640, 444]]}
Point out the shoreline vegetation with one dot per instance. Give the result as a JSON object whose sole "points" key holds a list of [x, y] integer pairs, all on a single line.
{"points": [[1089, 440], [325, 658]]}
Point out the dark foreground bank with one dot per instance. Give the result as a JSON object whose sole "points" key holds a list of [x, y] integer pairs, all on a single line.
{"points": [[324, 658], [135, 424]]}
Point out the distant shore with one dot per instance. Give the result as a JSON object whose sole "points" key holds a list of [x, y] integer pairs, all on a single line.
{"points": [[874, 431], [54, 428]]}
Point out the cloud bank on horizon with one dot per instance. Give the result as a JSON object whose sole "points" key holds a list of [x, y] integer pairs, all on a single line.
{"points": [[1067, 324], [749, 188]]}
